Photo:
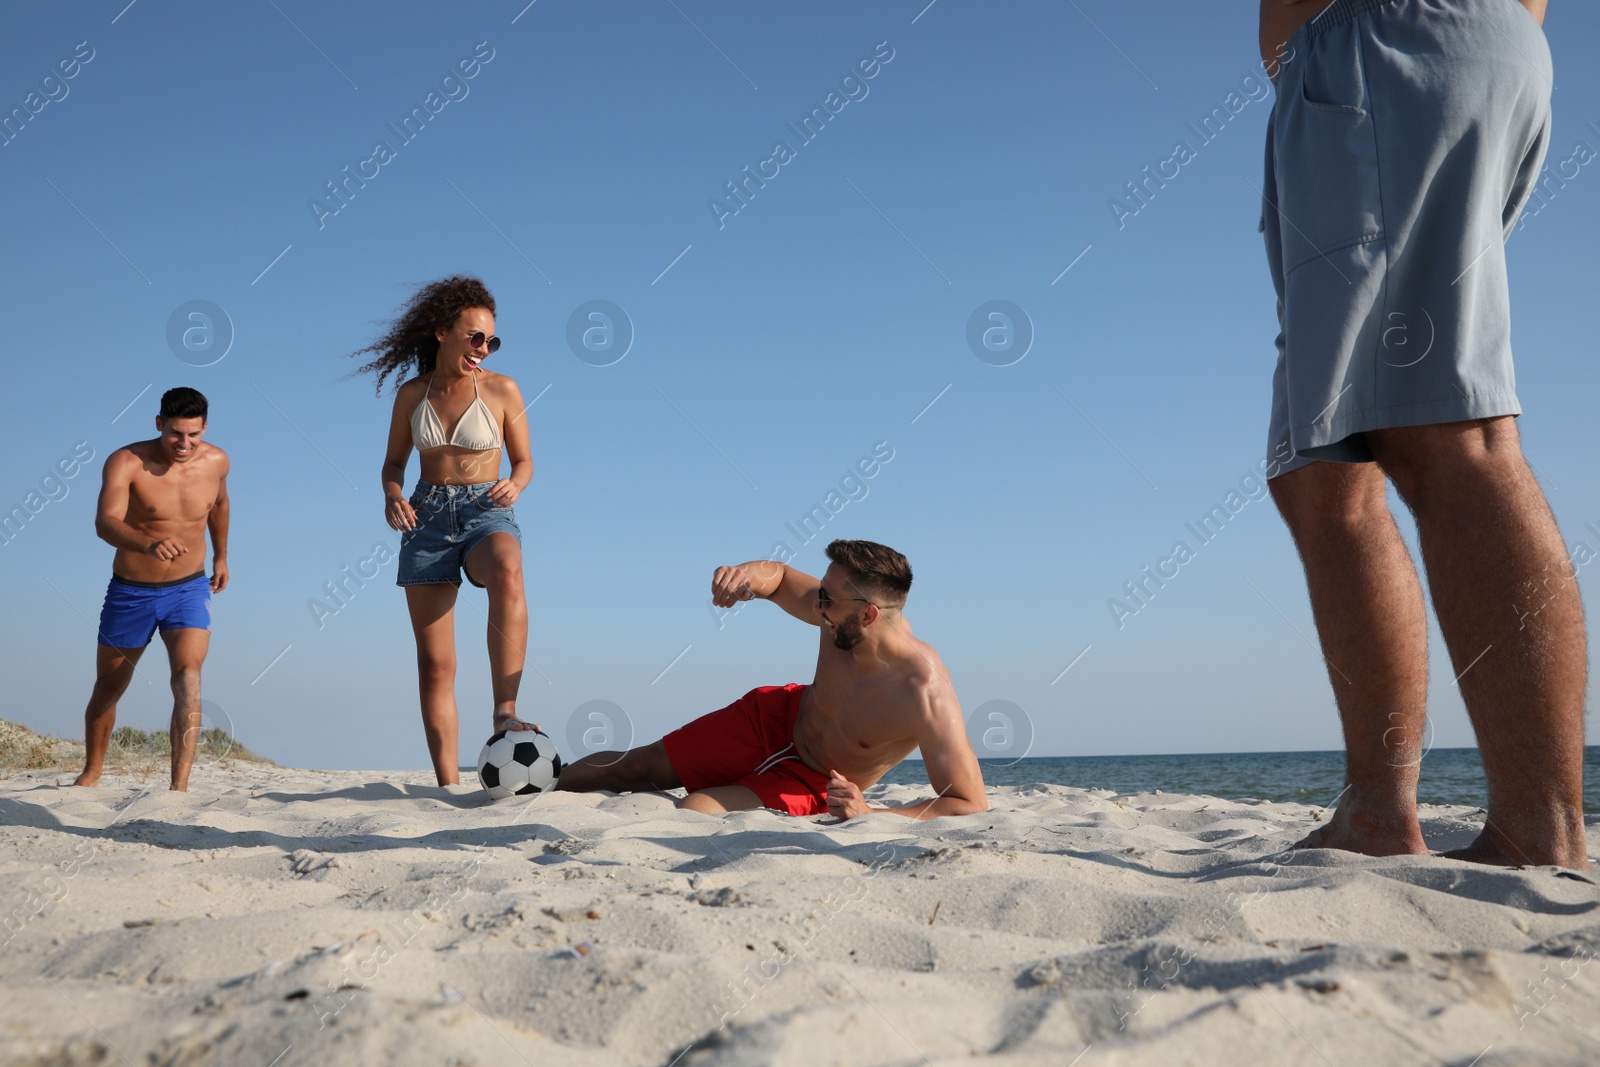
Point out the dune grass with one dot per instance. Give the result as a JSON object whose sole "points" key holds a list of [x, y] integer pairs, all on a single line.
{"points": [[132, 749]]}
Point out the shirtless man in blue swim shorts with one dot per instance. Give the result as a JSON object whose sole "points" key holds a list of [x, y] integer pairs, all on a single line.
{"points": [[157, 500]]}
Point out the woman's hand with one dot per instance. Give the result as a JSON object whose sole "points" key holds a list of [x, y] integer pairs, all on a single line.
{"points": [[398, 514], [504, 493]]}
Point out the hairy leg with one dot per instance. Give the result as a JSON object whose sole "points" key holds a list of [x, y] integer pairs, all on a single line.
{"points": [[432, 620], [721, 799], [496, 563], [1368, 606], [639, 770], [113, 671], [186, 653], [1507, 599]]}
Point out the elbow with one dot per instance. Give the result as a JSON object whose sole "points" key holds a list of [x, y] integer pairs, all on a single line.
{"points": [[963, 806], [948, 807]]}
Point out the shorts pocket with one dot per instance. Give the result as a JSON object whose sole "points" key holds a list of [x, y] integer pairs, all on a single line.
{"points": [[1336, 109], [1326, 154], [1329, 193]]}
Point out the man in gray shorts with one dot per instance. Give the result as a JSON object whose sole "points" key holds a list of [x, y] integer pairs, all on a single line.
{"points": [[1404, 141]]}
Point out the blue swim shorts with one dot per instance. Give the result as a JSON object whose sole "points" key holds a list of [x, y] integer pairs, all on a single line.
{"points": [[133, 610], [1405, 139], [451, 520]]}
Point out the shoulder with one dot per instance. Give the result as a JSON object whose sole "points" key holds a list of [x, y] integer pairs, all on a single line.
{"points": [[410, 392], [927, 684], [216, 457], [502, 386], [123, 466]]}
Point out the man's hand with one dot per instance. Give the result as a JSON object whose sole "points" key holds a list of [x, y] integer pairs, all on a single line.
{"points": [[729, 585], [844, 797], [219, 575], [168, 549]]}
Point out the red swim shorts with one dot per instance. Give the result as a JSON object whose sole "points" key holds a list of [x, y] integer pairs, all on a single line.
{"points": [[751, 743]]}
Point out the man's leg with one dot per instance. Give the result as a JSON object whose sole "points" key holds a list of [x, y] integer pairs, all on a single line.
{"points": [[1370, 616], [113, 671], [721, 799], [186, 652], [1507, 600], [432, 607], [639, 770]]}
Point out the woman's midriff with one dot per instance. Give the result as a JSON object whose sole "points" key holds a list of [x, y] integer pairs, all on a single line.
{"points": [[451, 465]]}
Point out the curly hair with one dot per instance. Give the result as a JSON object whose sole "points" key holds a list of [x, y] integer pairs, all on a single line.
{"points": [[410, 343]]}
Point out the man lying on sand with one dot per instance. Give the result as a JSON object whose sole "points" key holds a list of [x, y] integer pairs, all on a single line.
{"points": [[879, 693]]}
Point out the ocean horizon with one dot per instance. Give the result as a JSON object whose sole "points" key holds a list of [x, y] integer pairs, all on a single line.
{"points": [[1448, 775]]}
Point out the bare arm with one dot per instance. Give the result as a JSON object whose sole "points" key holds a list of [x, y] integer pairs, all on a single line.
{"points": [[397, 512], [514, 432], [111, 513], [217, 524], [1280, 18], [952, 767], [398, 449], [793, 591]]}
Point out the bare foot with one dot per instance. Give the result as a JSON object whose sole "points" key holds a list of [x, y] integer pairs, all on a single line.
{"points": [[1497, 848], [88, 778], [1356, 827], [509, 721]]}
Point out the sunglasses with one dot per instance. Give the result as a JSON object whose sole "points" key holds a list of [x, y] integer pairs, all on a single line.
{"points": [[477, 338], [824, 601]]}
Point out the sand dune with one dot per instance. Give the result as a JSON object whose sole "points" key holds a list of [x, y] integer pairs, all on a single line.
{"points": [[276, 917]]}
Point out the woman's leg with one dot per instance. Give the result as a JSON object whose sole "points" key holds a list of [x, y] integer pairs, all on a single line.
{"points": [[496, 564], [431, 608]]}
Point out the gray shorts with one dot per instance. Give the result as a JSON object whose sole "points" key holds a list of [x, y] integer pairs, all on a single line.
{"points": [[1405, 139]]}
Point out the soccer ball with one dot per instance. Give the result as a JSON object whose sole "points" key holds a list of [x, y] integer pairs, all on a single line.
{"points": [[518, 762]]}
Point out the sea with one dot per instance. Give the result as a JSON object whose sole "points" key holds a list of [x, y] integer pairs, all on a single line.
{"points": [[1448, 775]]}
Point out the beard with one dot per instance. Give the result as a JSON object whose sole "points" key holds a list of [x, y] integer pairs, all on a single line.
{"points": [[847, 634]]}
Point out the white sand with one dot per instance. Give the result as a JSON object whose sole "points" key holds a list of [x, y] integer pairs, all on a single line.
{"points": [[275, 917]]}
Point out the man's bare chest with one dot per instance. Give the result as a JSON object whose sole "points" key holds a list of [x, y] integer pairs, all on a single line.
{"points": [[171, 497]]}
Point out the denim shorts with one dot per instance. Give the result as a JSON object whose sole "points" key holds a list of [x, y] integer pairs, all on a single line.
{"points": [[451, 520], [1405, 139]]}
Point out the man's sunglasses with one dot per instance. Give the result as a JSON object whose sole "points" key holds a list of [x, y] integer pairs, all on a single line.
{"points": [[477, 338], [824, 601]]}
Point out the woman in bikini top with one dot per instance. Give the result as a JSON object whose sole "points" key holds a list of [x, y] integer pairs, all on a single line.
{"points": [[459, 520]]}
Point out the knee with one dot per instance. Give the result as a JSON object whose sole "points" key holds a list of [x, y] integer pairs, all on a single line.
{"points": [[435, 668], [1482, 454], [185, 675], [109, 689], [1331, 500], [506, 581], [700, 802]]}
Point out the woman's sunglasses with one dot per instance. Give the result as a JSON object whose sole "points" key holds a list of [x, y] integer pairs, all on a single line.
{"points": [[477, 338]]}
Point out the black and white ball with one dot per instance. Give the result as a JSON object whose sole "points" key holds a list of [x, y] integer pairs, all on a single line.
{"points": [[518, 763]]}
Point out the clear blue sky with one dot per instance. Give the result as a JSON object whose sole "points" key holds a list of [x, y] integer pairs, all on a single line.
{"points": [[180, 162]]}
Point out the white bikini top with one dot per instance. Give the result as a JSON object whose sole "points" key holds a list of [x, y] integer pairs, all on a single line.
{"points": [[476, 430]]}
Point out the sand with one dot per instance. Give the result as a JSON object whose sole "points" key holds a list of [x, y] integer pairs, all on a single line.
{"points": [[274, 917]]}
